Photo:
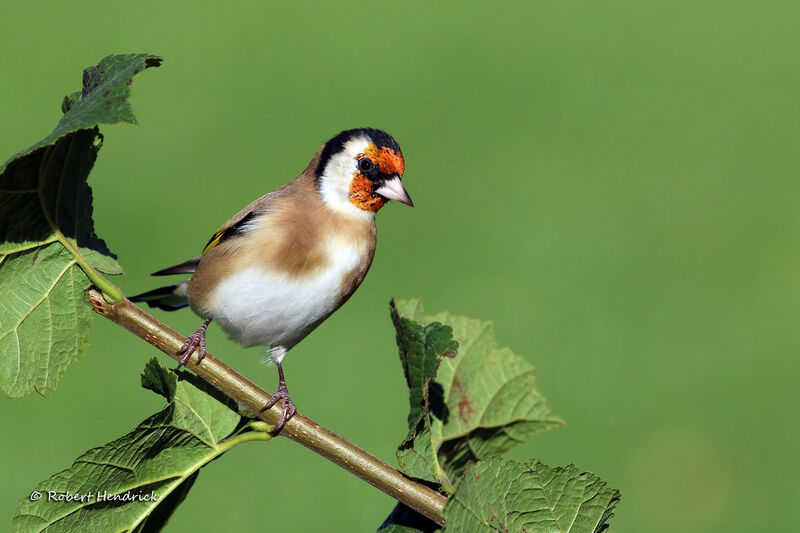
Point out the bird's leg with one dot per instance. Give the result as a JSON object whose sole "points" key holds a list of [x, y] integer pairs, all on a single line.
{"points": [[281, 393], [289, 408], [196, 342]]}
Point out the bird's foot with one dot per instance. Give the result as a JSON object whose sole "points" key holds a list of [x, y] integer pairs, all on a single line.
{"points": [[195, 343], [289, 408]]}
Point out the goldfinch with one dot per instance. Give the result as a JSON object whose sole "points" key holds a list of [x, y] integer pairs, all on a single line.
{"points": [[283, 264]]}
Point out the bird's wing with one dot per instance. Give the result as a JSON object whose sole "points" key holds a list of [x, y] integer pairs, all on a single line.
{"points": [[245, 220], [229, 231]]}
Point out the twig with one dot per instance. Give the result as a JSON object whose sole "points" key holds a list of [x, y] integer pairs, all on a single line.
{"points": [[299, 429]]}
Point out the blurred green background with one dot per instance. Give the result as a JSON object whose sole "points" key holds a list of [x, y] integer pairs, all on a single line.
{"points": [[614, 184]]}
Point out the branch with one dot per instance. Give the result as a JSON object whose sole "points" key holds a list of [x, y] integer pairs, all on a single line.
{"points": [[299, 429]]}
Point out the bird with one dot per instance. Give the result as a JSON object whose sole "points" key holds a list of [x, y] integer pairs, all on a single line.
{"points": [[282, 265]]}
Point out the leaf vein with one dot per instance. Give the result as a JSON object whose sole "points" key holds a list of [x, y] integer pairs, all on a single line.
{"points": [[211, 443], [42, 299]]}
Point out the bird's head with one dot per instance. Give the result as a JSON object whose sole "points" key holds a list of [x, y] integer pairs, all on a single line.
{"points": [[359, 171]]}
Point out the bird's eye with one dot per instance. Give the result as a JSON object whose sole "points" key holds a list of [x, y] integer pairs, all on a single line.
{"points": [[364, 164]]}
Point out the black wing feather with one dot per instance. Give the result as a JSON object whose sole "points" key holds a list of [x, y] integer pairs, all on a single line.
{"points": [[223, 234]]}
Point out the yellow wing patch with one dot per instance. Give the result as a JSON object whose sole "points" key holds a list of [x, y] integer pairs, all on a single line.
{"points": [[215, 240], [226, 232]]}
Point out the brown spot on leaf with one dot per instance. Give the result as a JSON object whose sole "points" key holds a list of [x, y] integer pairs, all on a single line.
{"points": [[465, 409], [530, 470]]}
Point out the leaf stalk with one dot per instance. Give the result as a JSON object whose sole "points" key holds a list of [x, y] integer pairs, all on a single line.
{"points": [[111, 292]]}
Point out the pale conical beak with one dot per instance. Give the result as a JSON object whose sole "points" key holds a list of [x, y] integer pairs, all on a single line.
{"points": [[393, 190]]}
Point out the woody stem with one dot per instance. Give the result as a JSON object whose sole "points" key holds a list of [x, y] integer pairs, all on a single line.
{"points": [[299, 429]]}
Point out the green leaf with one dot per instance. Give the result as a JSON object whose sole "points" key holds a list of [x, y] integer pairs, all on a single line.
{"points": [[46, 206], [158, 518], [103, 98], [501, 495], [481, 402], [135, 482], [404, 519], [203, 410], [421, 350], [159, 380], [43, 318], [417, 457], [395, 528]]}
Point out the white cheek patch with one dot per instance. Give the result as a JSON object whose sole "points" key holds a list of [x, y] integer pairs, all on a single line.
{"points": [[337, 177]]}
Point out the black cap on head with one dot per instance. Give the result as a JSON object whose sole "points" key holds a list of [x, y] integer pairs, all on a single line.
{"points": [[335, 145]]}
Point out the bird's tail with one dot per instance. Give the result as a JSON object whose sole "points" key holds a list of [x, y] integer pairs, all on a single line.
{"points": [[169, 298]]}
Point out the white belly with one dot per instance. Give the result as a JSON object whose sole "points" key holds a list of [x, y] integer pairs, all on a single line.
{"points": [[257, 307]]}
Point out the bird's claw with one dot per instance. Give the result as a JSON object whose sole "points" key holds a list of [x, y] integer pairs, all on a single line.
{"points": [[195, 343], [289, 408]]}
